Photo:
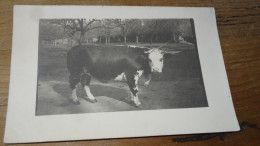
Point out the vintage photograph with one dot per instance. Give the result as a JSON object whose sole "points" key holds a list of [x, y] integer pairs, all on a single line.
{"points": [[113, 65], [101, 72]]}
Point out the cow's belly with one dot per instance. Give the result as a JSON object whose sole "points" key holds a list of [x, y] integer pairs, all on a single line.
{"points": [[105, 73], [122, 77], [109, 71]]}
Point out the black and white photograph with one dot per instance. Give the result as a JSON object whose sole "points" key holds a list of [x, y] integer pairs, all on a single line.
{"points": [[110, 65], [101, 72]]}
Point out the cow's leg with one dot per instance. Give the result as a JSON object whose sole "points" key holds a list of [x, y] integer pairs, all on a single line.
{"points": [[74, 80], [148, 78], [85, 81], [132, 81]]}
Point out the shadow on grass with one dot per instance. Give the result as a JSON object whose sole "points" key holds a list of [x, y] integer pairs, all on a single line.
{"points": [[97, 90]]}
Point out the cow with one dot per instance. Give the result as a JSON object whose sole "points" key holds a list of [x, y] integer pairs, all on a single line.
{"points": [[109, 62]]}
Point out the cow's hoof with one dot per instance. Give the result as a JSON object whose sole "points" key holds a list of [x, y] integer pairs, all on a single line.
{"points": [[93, 100], [139, 106], [146, 84], [76, 102]]}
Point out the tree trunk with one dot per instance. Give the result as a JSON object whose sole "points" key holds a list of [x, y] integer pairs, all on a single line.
{"points": [[82, 31], [174, 37], [151, 41], [100, 40], [137, 40], [106, 40], [81, 39], [125, 39]]}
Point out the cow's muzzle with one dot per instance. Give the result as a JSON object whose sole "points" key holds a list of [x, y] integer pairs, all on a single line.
{"points": [[157, 70]]}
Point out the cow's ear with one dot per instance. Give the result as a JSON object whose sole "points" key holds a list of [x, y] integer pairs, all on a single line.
{"points": [[167, 55], [145, 55]]}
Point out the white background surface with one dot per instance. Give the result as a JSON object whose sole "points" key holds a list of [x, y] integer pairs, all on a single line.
{"points": [[23, 126]]}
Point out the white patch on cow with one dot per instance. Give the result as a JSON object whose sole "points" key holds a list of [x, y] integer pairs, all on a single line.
{"points": [[140, 72], [136, 77], [147, 82], [89, 94], [156, 60], [135, 99], [135, 88], [120, 77], [74, 96], [147, 79]]}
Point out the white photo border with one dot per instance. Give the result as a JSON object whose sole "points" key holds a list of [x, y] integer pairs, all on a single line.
{"points": [[23, 125]]}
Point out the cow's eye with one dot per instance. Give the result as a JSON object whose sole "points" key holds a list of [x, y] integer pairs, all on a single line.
{"points": [[161, 59], [150, 60]]}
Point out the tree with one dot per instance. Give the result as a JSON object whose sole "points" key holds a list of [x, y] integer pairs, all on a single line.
{"points": [[124, 25], [151, 28], [73, 26], [106, 30], [178, 27], [49, 32], [136, 29], [82, 26]]}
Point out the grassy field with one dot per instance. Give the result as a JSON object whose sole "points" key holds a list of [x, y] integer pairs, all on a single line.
{"points": [[179, 86]]}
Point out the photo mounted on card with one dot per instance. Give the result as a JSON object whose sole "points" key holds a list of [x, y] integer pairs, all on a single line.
{"points": [[98, 72]]}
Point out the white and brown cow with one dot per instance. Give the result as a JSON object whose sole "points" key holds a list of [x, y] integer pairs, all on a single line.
{"points": [[108, 62]]}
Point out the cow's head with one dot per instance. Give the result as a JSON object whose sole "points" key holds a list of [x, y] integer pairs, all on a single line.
{"points": [[155, 57]]}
